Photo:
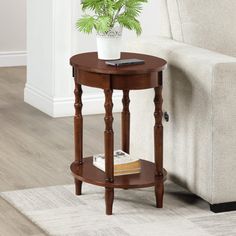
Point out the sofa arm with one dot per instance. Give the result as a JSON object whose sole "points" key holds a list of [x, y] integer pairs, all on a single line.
{"points": [[224, 131], [199, 94], [178, 53]]}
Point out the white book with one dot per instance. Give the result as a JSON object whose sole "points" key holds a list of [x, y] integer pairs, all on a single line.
{"points": [[120, 157], [124, 164]]}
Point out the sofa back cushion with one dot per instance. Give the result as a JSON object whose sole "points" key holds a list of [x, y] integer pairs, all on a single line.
{"points": [[209, 24], [162, 19]]}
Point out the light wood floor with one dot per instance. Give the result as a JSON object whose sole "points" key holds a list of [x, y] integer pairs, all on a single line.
{"points": [[35, 149]]}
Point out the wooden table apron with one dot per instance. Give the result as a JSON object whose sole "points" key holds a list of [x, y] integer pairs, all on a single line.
{"points": [[82, 169]]}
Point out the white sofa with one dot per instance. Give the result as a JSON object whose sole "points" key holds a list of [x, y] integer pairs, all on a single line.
{"points": [[199, 42]]}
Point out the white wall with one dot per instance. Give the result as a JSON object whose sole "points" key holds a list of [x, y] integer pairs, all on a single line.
{"points": [[12, 32], [52, 40]]}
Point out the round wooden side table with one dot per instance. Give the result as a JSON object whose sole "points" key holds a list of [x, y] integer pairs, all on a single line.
{"points": [[89, 71]]}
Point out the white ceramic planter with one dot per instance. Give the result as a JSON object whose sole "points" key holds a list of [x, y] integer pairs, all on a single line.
{"points": [[109, 44]]}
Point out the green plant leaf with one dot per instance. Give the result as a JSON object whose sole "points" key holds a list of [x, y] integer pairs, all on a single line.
{"points": [[95, 5], [86, 24], [119, 4], [130, 23], [133, 8], [92, 4], [102, 24]]}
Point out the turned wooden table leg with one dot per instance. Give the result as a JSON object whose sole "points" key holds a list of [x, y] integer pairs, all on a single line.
{"points": [[109, 150], [125, 120], [78, 132], [158, 143]]}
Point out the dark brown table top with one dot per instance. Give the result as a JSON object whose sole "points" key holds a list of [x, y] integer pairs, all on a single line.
{"points": [[90, 62]]}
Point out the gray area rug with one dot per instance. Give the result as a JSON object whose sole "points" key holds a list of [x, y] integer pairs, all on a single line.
{"points": [[59, 212]]}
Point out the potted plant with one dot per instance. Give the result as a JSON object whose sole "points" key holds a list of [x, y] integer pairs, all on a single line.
{"points": [[108, 20]]}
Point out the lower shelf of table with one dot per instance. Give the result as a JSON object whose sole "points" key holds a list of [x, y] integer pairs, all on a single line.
{"points": [[91, 174]]}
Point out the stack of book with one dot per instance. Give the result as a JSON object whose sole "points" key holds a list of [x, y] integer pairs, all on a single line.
{"points": [[124, 164]]}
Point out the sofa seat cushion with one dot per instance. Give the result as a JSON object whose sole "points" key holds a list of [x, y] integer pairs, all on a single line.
{"points": [[207, 24]]}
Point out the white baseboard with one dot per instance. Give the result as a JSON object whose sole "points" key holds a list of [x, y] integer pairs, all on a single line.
{"points": [[61, 107], [17, 58]]}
